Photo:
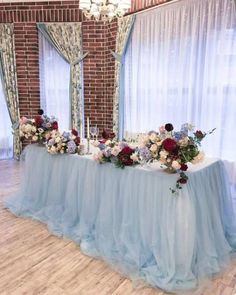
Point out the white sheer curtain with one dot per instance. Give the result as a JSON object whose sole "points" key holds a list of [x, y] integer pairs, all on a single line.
{"points": [[54, 83], [6, 137], [180, 66]]}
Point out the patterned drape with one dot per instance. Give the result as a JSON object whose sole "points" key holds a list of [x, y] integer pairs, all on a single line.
{"points": [[124, 29], [67, 40], [9, 81]]}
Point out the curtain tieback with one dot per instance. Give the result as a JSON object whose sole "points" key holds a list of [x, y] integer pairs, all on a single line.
{"points": [[15, 126], [117, 56], [79, 59]]}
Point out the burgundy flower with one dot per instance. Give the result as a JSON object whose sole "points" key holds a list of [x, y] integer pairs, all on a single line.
{"points": [[55, 125], [77, 140], [40, 112], [199, 134], [38, 121], [184, 167], [169, 144], [169, 127], [127, 150], [125, 159], [182, 180], [105, 134], [74, 132]]}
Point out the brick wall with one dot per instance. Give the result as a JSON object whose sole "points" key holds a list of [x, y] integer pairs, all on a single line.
{"points": [[98, 39]]}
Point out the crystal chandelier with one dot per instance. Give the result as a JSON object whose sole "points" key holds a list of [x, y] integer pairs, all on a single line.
{"points": [[104, 9]]}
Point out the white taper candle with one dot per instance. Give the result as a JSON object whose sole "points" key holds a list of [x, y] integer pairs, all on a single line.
{"points": [[88, 131]]}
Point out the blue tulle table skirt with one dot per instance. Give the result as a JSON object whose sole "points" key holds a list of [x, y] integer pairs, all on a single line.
{"points": [[130, 218]]}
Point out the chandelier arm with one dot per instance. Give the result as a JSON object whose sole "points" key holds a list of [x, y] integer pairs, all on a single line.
{"points": [[106, 10]]}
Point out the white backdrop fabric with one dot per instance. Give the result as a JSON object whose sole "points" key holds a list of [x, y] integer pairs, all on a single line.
{"points": [[180, 66]]}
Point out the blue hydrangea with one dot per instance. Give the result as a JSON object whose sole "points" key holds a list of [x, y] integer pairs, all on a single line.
{"points": [[145, 154], [71, 147], [66, 135], [51, 142], [101, 146]]}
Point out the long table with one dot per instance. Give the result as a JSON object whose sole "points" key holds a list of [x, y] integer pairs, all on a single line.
{"points": [[130, 218]]}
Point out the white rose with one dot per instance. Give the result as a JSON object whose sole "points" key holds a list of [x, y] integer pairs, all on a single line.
{"points": [[115, 151], [58, 139], [28, 128], [153, 148], [53, 150], [33, 129], [35, 138], [176, 165], [108, 142], [153, 137], [163, 154], [98, 157], [134, 157], [145, 139], [184, 141], [54, 133]]}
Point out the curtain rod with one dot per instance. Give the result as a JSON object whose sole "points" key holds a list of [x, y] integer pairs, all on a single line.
{"points": [[155, 7]]}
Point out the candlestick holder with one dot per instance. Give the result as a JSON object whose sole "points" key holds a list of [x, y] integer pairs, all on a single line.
{"points": [[88, 146]]}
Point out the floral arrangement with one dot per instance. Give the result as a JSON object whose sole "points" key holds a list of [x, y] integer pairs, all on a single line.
{"points": [[61, 143], [37, 129], [118, 153], [174, 150]]}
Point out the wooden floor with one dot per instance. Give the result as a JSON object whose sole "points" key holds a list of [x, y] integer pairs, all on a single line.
{"points": [[34, 262]]}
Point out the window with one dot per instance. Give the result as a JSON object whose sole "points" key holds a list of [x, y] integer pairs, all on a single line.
{"points": [[54, 83], [6, 137]]}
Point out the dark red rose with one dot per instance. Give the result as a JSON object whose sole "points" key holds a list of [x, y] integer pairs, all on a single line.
{"points": [[169, 144], [127, 150], [169, 127], [105, 134], [182, 180], [74, 132], [77, 140], [40, 112], [184, 167], [125, 159], [55, 125], [199, 134], [38, 121]]}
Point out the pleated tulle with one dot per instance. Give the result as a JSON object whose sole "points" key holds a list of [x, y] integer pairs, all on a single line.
{"points": [[130, 218]]}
